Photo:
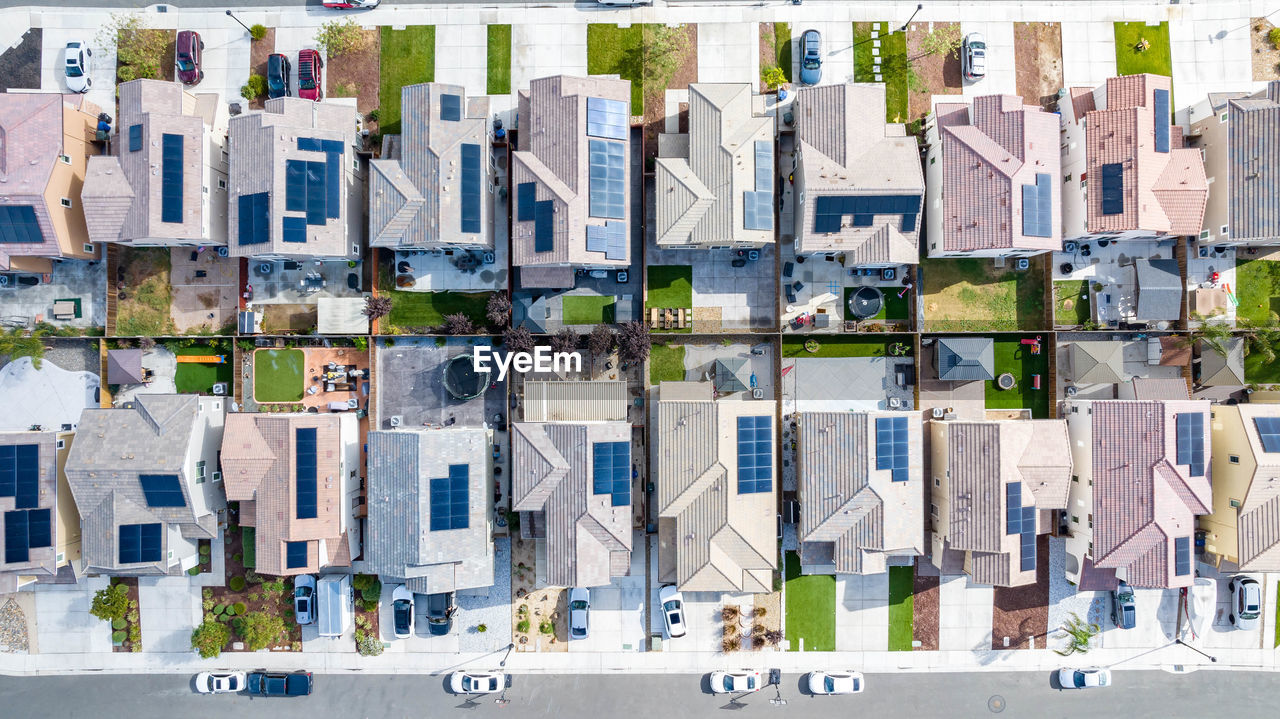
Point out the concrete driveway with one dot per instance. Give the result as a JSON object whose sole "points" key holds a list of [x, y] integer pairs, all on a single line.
{"points": [[64, 623], [462, 57], [1001, 65], [837, 51], [617, 610], [728, 52], [102, 74], [170, 609]]}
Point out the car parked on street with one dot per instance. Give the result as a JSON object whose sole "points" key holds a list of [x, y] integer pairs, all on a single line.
{"points": [[351, 4], [220, 682], [579, 612], [810, 57], [465, 682], [1123, 611], [835, 682], [402, 611], [304, 598], [1084, 678], [310, 75], [440, 613], [672, 610], [743, 680], [1246, 602], [187, 56], [77, 62], [279, 684], [279, 70], [973, 56]]}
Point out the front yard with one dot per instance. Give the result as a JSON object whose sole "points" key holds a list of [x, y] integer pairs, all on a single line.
{"points": [[666, 363], [1018, 360], [408, 58], [973, 295], [499, 78], [811, 608], [866, 345], [613, 50], [1155, 59], [894, 65], [423, 310], [901, 603]]}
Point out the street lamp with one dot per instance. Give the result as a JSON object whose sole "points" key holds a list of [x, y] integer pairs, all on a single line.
{"points": [[503, 663], [1197, 651], [233, 17], [919, 7]]}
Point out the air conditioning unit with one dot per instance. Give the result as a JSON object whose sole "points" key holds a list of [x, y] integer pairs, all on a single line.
{"points": [[1070, 247], [220, 389], [757, 393], [1023, 263], [396, 420]]}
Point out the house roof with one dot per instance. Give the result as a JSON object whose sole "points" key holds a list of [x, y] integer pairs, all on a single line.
{"points": [[1000, 164], [966, 358], [399, 542], [1160, 388], [1217, 370], [847, 150], [39, 558], [594, 401], [847, 502], [1258, 522], [706, 192], [530, 313], [732, 374], [124, 367], [1159, 290], [1096, 361], [416, 198], [1253, 132]]}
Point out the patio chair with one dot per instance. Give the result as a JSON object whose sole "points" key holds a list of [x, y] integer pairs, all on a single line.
{"points": [[791, 295], [787, 269]]}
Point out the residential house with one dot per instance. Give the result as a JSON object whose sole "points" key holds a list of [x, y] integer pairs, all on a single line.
{"points": [[861, 492], [1094, 362], [858, 183], [714, 185], [146, 482], [1127, 174], [997, 486], [40, 540], [166, 184], [1222, 370], [714, 464], [46, 140], [432, 188], [297, 479], [1242, 533], [994, 177], [963, 359], [1158, 294], [1141, 477], [571, 479], [297, 187], [430, 504], [571, 174]]}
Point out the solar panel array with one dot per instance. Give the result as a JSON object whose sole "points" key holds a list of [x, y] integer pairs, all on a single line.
{"points": [[140, 543], [135, 138], [472, 186], [1013, 508], [607, 118], [1162, 120], [162, 490], [757, 203], [609, 238], [450, 506], [1182, 556], [544, 226], [830, 211], [20, 474], [24, 530], [611, 471], [1112, 188], [526, 196], [755, 455], [1028, 538], [1037, 207], [1190, 428], [450, 107], [891, 446], [295, 555], [171, 178], [332, 173], [304, 468], [18, 225], [304, 189], [764, 166], [1268, 432], [293, 229], [254, 209], [608, 185], [1021, 521]]}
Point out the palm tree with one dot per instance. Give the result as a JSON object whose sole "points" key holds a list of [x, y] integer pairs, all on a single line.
{"points": [[1079, 632]]}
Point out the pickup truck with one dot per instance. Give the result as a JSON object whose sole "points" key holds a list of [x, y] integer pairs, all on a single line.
{"points": [[279, 684]]}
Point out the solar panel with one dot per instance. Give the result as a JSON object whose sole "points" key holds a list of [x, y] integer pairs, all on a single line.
{"points": [[526, 195], [764, 166], [39, 528], [543, 228], [611, 471], [294, 229], [316, 194], [1112, 189], [1182, 556], [1190, 429], [304, 467], [891, 446], [1037, 207], [27, 470], [295, 555], [162, 490], [608, 184], [15, 537], [755, 455], [757, 210], [450, 107], [253, 211], [472, 186], [18, 225], [1161, 120], [450, 499], [1028, 547], [330, 174], [171, 178], [607, 118], [139, 543], [609, 238], [135, 138], [1268, 432], [8, 470], [1013, 508], [295, 185], [830, 210]]}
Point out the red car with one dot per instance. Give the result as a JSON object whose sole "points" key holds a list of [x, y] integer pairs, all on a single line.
{"points": [[351, 4], [186, 58], [310, 75]]}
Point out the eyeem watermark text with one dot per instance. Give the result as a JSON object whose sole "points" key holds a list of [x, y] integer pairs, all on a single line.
{"points": [[542, 359]]}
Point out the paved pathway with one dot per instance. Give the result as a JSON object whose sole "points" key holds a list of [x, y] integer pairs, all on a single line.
{"points": [[170, 608]]}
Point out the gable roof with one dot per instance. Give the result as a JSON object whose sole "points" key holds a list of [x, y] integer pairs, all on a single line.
{"points": [[1258, 520], [965, 358], [1159, 289], [1252, 130]]}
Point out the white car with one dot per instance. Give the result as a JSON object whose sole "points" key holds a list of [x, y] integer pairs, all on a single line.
{"points": [[835, 682], [1084, 678], [77, 62], [220, 683], [743, 680], [402, 612], [672, 610], [1246, 602], [973, 57], [579, 612], [304, 598], [464, 682]]}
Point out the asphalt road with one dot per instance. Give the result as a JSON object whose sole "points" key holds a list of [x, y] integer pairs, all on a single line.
{"points": [[1025, 694]]}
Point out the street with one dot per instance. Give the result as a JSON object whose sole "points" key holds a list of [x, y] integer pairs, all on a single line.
{"points": [[1023, 694]]}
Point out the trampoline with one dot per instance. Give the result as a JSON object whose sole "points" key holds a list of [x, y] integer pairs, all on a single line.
{"points": [[866, 302], [461, 379], [1006, 381]]}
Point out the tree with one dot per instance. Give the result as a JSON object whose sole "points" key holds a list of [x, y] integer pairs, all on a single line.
{"points": [[376, 307], [600, 341], [942, 40], [257, 31], [772, 76], [209, 638], [254, 87], [139, 48], [340, 36], [634, 341], [1079, 632], [664, 49], [498, 310], [566, 340], [111, 603], [458, 324], [261, 630], [16, 343], [517, 339]]}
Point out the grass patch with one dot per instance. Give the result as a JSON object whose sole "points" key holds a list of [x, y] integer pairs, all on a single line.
{"points": [[1015, 358], [1258, 289], [278, 375], [1257, 371], [811, 608], [427, 309], [844, 346], [588, 309], [782, 47], [199, 377], [499, 59], [893, 66], [670, 286], [613, 50], [1156, 59], [1077, 291], [892, 308], [972, 295], [408, 58], [249, 548], [666, 363], [901, 607], [144, 312]]}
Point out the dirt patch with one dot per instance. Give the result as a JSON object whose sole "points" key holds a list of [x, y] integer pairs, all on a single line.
{"points": [[1037, 50], [539, 617], [766, 626], [1266, 58], [288, 318], [655, 104], [924, 626], [768, 49], [1022, 613], [20, 66], [143, 293], [357, 74], [938, 74]]}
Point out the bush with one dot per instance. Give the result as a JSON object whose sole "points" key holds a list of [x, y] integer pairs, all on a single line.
{"points": [[1274, 36], [207, 605], [772, 76], [118, 637], [369, 646], [236, 583], [207, 593], [373, 115], [237, 624], [339, 36], [236, 557], [240, 607], [135, 634], [257, 31], [370, 605], [252, 577], [220, 609], [361, 582], [204, 550], [209, 638], [118, 624], [230, 611], [546, 627], [255, 87], [522, 626], [261, 629], [373, 592], [194, 570], [110, 603], [482, 628]]}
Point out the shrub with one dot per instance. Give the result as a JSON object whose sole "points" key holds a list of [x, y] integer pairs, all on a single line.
{"points": [[238, 625], [759, 611], [261, 629], [373, 592], [118, 637], [361, 582], [220, 609], [132, 616], [204, 550], [230, 612], [546, 627], [254, 88], [139, 49], [208, 605], [522, 626], [772, 76], [237, 557], [1274, 36], [240, 607], [339, 36], [482, 628], [236, 583], [194, 570], [373, 115], [207, 593], [252, 577], [118, 624], [110, 603], [135, 633], [369, 646], [209, 638], [370, 605], [257, 31]]}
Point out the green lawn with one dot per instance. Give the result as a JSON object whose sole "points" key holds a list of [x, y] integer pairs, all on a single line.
{"points": [[588, 309], [1278, 624], [666, 363], [1155, 59], [1258, 289], [972, 295], [893, 307], [844, 345], [249, 547], [198, 378], [893, 66], [278, 375], [613, 50], [901, 607], [811, 608], [1014, 357], [408, 58], [1078, 292], [427, 309], [1257, 371], [782, 47], [499, 59], [670, 286]]}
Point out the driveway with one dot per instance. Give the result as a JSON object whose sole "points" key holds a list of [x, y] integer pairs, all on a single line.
{"points": [[729, 52], [462, 58], [862, 612], [53, 77], [1001, 64], [617, 610], [837, 51], [170, 608], [64, 623]]}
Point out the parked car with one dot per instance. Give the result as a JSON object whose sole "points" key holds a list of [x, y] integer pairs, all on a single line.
{"points": [[464, 682], [743, 680], [279, 70], [220, 683], [402, 611], [1246, 601], [1122, 607], [1084, 678], [77, 61], [304, 598], [186, 59], [310, 75], [672, 610], [973, 56], [810, 57], [279, 684], [351, 4], [835, 682], [440, 613], [579, 612]]}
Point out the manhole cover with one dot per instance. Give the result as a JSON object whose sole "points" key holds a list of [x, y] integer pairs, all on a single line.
{"points": [[996, 704]]}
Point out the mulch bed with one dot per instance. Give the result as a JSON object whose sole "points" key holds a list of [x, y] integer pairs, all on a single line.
{"points": [[1037, 50], [940, 73], [20, 66], [924, 627], [259, 51], [360, 71], [282, 606], [655, 105], [134, 606], [768, 52], [1021, 613]]}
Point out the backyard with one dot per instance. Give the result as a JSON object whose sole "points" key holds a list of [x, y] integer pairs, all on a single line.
{"points": [[278, 375], [144, 294], [1155, 58], [670, 287], [901, 603], [811, 608], [894, 65], [1258, 289], [499, 78], [1016, 358], [613, 50], [874, 345], [588, 309], [973, 295], [408, 58], [428, 309], [666, 363], [1070, 303], [893, 308], [199, 377]]}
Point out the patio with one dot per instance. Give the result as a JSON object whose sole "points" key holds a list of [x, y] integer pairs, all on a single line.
{"points": [[51, 396], [837, 384], [824, 282], [82, 282], [451, 270], [291, 282], [411, 387], [724, 298], [1112, 267], [709, 363], [1212, 291], [159, 367], [205, 288]]}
